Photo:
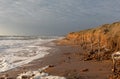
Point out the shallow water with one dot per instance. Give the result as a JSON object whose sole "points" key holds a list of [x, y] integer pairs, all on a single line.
{"points": [[17, 51]]}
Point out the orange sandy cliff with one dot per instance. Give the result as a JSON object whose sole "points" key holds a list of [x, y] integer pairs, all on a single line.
{"points": [[107, 36]]}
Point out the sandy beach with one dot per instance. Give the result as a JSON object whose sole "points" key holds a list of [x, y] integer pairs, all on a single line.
{"points": [[59, 39], [67, 61]]}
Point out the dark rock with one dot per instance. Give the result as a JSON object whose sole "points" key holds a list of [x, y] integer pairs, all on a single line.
{"points": [[51, 66], [85, 70], [25, 77]]}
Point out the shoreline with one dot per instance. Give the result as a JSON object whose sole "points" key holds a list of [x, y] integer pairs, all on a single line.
{"points": [[33, 65], [66, 60]]}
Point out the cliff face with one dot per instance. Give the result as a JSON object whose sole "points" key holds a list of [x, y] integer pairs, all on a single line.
{"points": [[106, 36]]}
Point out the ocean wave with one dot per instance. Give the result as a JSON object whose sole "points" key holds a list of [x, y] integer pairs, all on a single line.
{"points": [[14, 53]]}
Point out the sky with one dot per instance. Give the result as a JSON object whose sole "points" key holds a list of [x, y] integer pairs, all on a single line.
{"points": [[55, 17]]}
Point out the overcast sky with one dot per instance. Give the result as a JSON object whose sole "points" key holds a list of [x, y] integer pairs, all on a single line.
{"points": [[55, 17]]}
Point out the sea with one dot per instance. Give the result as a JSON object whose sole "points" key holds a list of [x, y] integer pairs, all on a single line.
{"points": [[16, 51]]}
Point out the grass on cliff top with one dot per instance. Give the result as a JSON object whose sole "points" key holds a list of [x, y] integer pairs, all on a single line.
{"points": [[111, 29]]}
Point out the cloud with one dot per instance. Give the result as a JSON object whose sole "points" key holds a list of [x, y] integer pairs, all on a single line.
{"points": [[48, 16]]}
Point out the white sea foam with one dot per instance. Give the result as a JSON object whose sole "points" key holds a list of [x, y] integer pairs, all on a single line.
{"points": [[38, 74], [16, 52]]}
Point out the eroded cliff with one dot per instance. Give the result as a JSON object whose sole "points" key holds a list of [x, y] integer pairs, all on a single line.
{"points": [[106, 37]]}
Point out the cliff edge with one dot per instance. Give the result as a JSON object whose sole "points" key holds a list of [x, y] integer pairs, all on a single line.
{"points": [[105, 37]]}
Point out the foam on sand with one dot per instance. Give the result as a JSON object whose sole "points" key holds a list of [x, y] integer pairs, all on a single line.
{"points": [[39, 74]]}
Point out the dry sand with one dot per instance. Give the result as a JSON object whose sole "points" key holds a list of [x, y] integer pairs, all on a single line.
{"points": [[67, 61]]}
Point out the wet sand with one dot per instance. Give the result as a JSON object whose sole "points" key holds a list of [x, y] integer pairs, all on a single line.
{"points": [[67, 61]]}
